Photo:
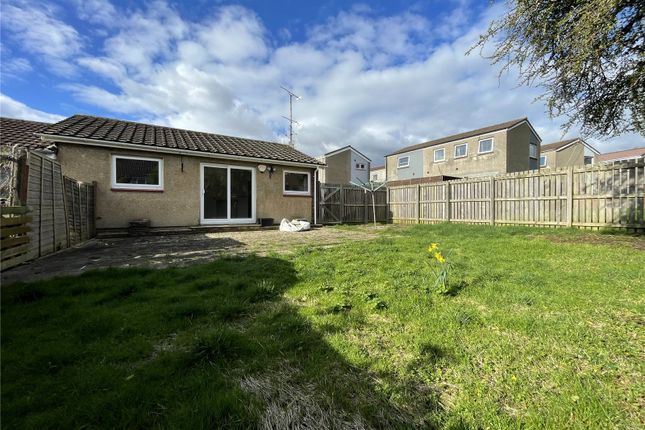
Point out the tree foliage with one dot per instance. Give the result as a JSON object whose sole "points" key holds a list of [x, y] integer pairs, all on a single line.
{"points": [[589, 55]]}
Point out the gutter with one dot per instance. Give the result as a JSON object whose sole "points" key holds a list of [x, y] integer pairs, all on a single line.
{"points": [[137, 147]]}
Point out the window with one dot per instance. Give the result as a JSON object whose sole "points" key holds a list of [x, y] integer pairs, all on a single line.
{"points": [[296, 183], [137, 173], [403, 162], [542, 160], [439, 154], [533, 150], [485, 145], [461, 150], [360, 166], [375, 177]]}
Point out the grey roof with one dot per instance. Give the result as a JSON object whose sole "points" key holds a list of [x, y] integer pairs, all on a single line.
{"points": [[556, 145], [464, 135], [22, 133], [112, 130]]}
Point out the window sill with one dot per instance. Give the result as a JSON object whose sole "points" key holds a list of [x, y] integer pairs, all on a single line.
{"points": [[136, 190], [295, 195]]}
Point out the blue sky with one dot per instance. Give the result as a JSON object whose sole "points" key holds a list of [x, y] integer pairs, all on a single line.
{"points": [[378, 75]]}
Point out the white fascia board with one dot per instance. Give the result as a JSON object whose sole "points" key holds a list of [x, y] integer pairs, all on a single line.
{"points": [[163, 150]]}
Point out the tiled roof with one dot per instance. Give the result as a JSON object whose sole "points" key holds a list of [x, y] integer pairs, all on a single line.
{"points": [[465, 135], [382, 166], [556, 145], [620, 155], [21, 132], [118, 131]]}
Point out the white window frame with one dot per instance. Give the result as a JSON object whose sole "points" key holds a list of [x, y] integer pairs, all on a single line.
{"points": [[537, 150], [358, 166], [228, 219], [542, 157], [434, 155], [492, 145], [140, 187], [296, 193], [465, 153], [398, 162]]}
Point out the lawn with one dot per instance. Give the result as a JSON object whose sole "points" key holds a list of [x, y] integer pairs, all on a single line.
{"points": [[542, 329]]}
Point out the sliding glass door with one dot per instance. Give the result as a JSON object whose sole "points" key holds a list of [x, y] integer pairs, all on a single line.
{"points": [[228, 194]]}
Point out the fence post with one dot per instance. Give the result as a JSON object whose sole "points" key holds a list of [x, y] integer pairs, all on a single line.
{"points": [[367, 218], [569, 196], [342, 205], [448, 202], [418, 203], [40, 206], [492, 201]]}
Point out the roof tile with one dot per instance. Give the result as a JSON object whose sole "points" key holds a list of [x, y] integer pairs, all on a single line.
{"points": [[21, 132], [97, 128]]}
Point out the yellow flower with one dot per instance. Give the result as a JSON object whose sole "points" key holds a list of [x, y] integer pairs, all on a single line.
{"points": [[439, 257], [432, 247]]}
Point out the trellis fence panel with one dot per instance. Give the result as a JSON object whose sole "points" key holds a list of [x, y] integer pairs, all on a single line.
{"points": [[594, 196]]}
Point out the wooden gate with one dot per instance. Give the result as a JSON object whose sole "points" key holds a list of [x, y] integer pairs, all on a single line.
{"points": [[338, 203]]}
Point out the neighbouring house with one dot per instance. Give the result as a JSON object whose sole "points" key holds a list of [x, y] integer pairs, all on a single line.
{"points": [[343, 166], [511, 146], [627, 154], [567, 153], [377, 174], [22, 133], [17, 134], [177, 177]]}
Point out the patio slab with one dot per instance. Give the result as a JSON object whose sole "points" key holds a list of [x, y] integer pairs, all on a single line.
{"points": [[175, 250]]}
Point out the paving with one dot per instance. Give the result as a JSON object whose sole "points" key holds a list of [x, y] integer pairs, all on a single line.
{"points": [[175, 250]]}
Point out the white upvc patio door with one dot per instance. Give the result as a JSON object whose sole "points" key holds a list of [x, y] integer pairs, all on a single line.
{"points": [[227, 194]]}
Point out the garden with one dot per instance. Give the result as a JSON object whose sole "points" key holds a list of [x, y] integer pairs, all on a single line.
{"points": [[424, 326]]}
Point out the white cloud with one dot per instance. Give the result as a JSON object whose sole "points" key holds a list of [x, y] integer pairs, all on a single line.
{"points": [[98, 12], [38, 31], [378, 83], [14, 109]]}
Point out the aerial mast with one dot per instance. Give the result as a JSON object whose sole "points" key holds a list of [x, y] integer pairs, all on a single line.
{"points": [[290, 119]]}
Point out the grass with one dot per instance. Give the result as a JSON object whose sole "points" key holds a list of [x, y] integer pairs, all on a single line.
{"points": [[542, 329]]}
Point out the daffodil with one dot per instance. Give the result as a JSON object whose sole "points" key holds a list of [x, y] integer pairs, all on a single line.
{"points": [[432, 247], [439, 257]]}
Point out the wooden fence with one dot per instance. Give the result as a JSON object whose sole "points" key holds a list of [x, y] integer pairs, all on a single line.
{"points": [[60, 209], [14, 239], [594, 196], [349, 204]]}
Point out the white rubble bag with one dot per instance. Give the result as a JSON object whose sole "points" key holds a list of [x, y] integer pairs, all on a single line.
{"points": [[294, 225]]}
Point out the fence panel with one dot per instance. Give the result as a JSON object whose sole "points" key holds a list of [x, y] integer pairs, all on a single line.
{"points": [[14, 236], [61, 209], [594, 196]]}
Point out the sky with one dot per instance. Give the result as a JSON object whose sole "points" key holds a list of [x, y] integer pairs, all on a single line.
{"points": [[375, 75]]}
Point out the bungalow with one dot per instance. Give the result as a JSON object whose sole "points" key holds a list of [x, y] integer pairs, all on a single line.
{"points": [[177, 177], [344, 165], [625, 155], [567, 153], [511, 146]]}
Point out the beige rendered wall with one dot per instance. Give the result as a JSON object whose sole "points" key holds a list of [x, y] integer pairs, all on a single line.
{"points": [[574, 155], [518, 148], [179, 203], [550, 159], [338, 168], [473, 164]]}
